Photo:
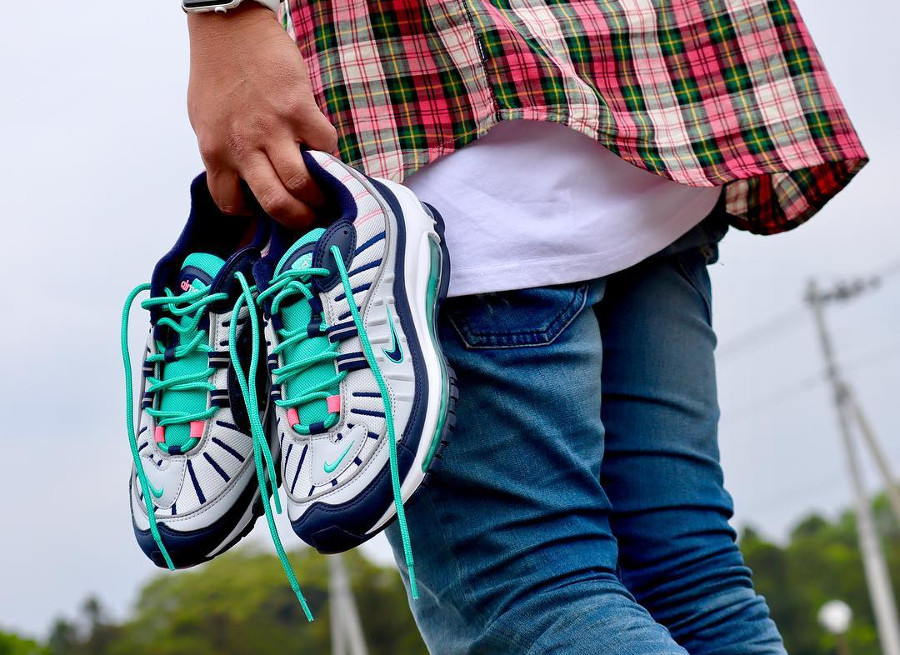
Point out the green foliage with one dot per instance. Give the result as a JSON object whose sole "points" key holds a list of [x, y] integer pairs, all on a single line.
{"points": [[821, 562], [11, 644], [240, 604]]}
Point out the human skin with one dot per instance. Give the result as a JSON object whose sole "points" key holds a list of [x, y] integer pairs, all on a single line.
{"points": [[251, 105]]}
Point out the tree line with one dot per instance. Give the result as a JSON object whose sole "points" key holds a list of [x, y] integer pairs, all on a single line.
{"points": [[239, 604]]}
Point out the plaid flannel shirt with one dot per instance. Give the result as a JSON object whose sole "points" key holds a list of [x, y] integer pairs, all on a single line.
{"points": [[705, 92]]}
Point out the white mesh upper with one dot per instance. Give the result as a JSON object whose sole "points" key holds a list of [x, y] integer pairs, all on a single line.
{"points": [[370, 222]]}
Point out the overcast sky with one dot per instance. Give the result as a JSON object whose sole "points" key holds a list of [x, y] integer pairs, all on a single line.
{"points": [[97, 154]]}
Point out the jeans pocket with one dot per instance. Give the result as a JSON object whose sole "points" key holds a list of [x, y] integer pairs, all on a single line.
{"points": [[692, 264], [515, 319]]}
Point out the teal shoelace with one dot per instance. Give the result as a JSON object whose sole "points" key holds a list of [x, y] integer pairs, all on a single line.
{"points": [[129, 424], [193, 305], [287, 285], [285, 288], [388, 417], [262, 455], [190, 308]]}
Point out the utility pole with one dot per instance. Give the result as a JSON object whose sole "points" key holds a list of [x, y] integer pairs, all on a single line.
{"points": [[881, 460], [346, 629], [876, 571]]}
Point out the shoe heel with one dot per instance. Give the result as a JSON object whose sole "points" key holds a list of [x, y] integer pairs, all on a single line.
{"points": [[450, 392], [440, 228]]}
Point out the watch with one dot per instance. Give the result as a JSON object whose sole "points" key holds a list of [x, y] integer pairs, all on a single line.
{"points": [[222, 6]]}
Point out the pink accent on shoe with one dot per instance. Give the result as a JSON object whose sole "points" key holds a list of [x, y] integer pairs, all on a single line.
{"points": [[362, 219], [334, 404], [293, 419], [159, 434], [197, 429]]}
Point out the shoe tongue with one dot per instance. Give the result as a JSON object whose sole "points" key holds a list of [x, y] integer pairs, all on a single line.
{"points": [[198, 271], [300, 254], [297, 316]]}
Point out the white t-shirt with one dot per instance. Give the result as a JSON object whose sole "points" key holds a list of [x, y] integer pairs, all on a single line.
{"points": [[533, 204]]}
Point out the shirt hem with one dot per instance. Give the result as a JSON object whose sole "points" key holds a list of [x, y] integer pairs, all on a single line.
{"points": [[843, 166]]}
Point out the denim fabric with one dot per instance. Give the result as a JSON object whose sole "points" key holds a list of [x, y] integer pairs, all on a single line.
{"points": [[580, 506]]}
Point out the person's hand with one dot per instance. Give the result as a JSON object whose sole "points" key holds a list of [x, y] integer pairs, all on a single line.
{"points": [[251, 104]]}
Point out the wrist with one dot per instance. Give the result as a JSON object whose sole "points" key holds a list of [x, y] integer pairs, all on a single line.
{"points": [[245, 15]]}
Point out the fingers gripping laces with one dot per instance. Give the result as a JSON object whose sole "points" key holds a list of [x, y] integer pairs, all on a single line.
{"points": [[388, 417], [261, 453]]}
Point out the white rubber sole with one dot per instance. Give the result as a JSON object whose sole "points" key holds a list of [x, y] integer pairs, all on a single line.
{"points": [[420, 232]]}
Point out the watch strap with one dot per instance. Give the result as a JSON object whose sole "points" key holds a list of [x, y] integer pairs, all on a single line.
{"points": [[271, 4], [194, 6]]}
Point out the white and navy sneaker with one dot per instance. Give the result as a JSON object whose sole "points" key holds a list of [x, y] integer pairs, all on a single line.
{"points": [[362, 393], [194, 487]]}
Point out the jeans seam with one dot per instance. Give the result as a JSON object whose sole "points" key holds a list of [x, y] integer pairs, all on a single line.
{"points": [[695, 285]]}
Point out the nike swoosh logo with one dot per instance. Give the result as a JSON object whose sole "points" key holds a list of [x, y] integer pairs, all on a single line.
{"points": [[394, 354], [331, 467], [156, 494]]}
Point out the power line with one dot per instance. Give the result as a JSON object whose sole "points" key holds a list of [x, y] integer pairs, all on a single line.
{"points": [[800, 386], [778, 324], [873, 357], [763, 505], [889, 270], [775, 326], [776, 398]]}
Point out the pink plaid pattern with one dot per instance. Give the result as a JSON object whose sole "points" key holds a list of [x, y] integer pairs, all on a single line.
{"points": [[726, 93]]}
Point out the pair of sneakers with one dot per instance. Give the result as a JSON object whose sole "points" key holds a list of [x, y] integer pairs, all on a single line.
{"points": [[306, 361]]}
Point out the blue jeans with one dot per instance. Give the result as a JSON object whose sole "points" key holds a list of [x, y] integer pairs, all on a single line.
{"points": [[579, 507]]}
